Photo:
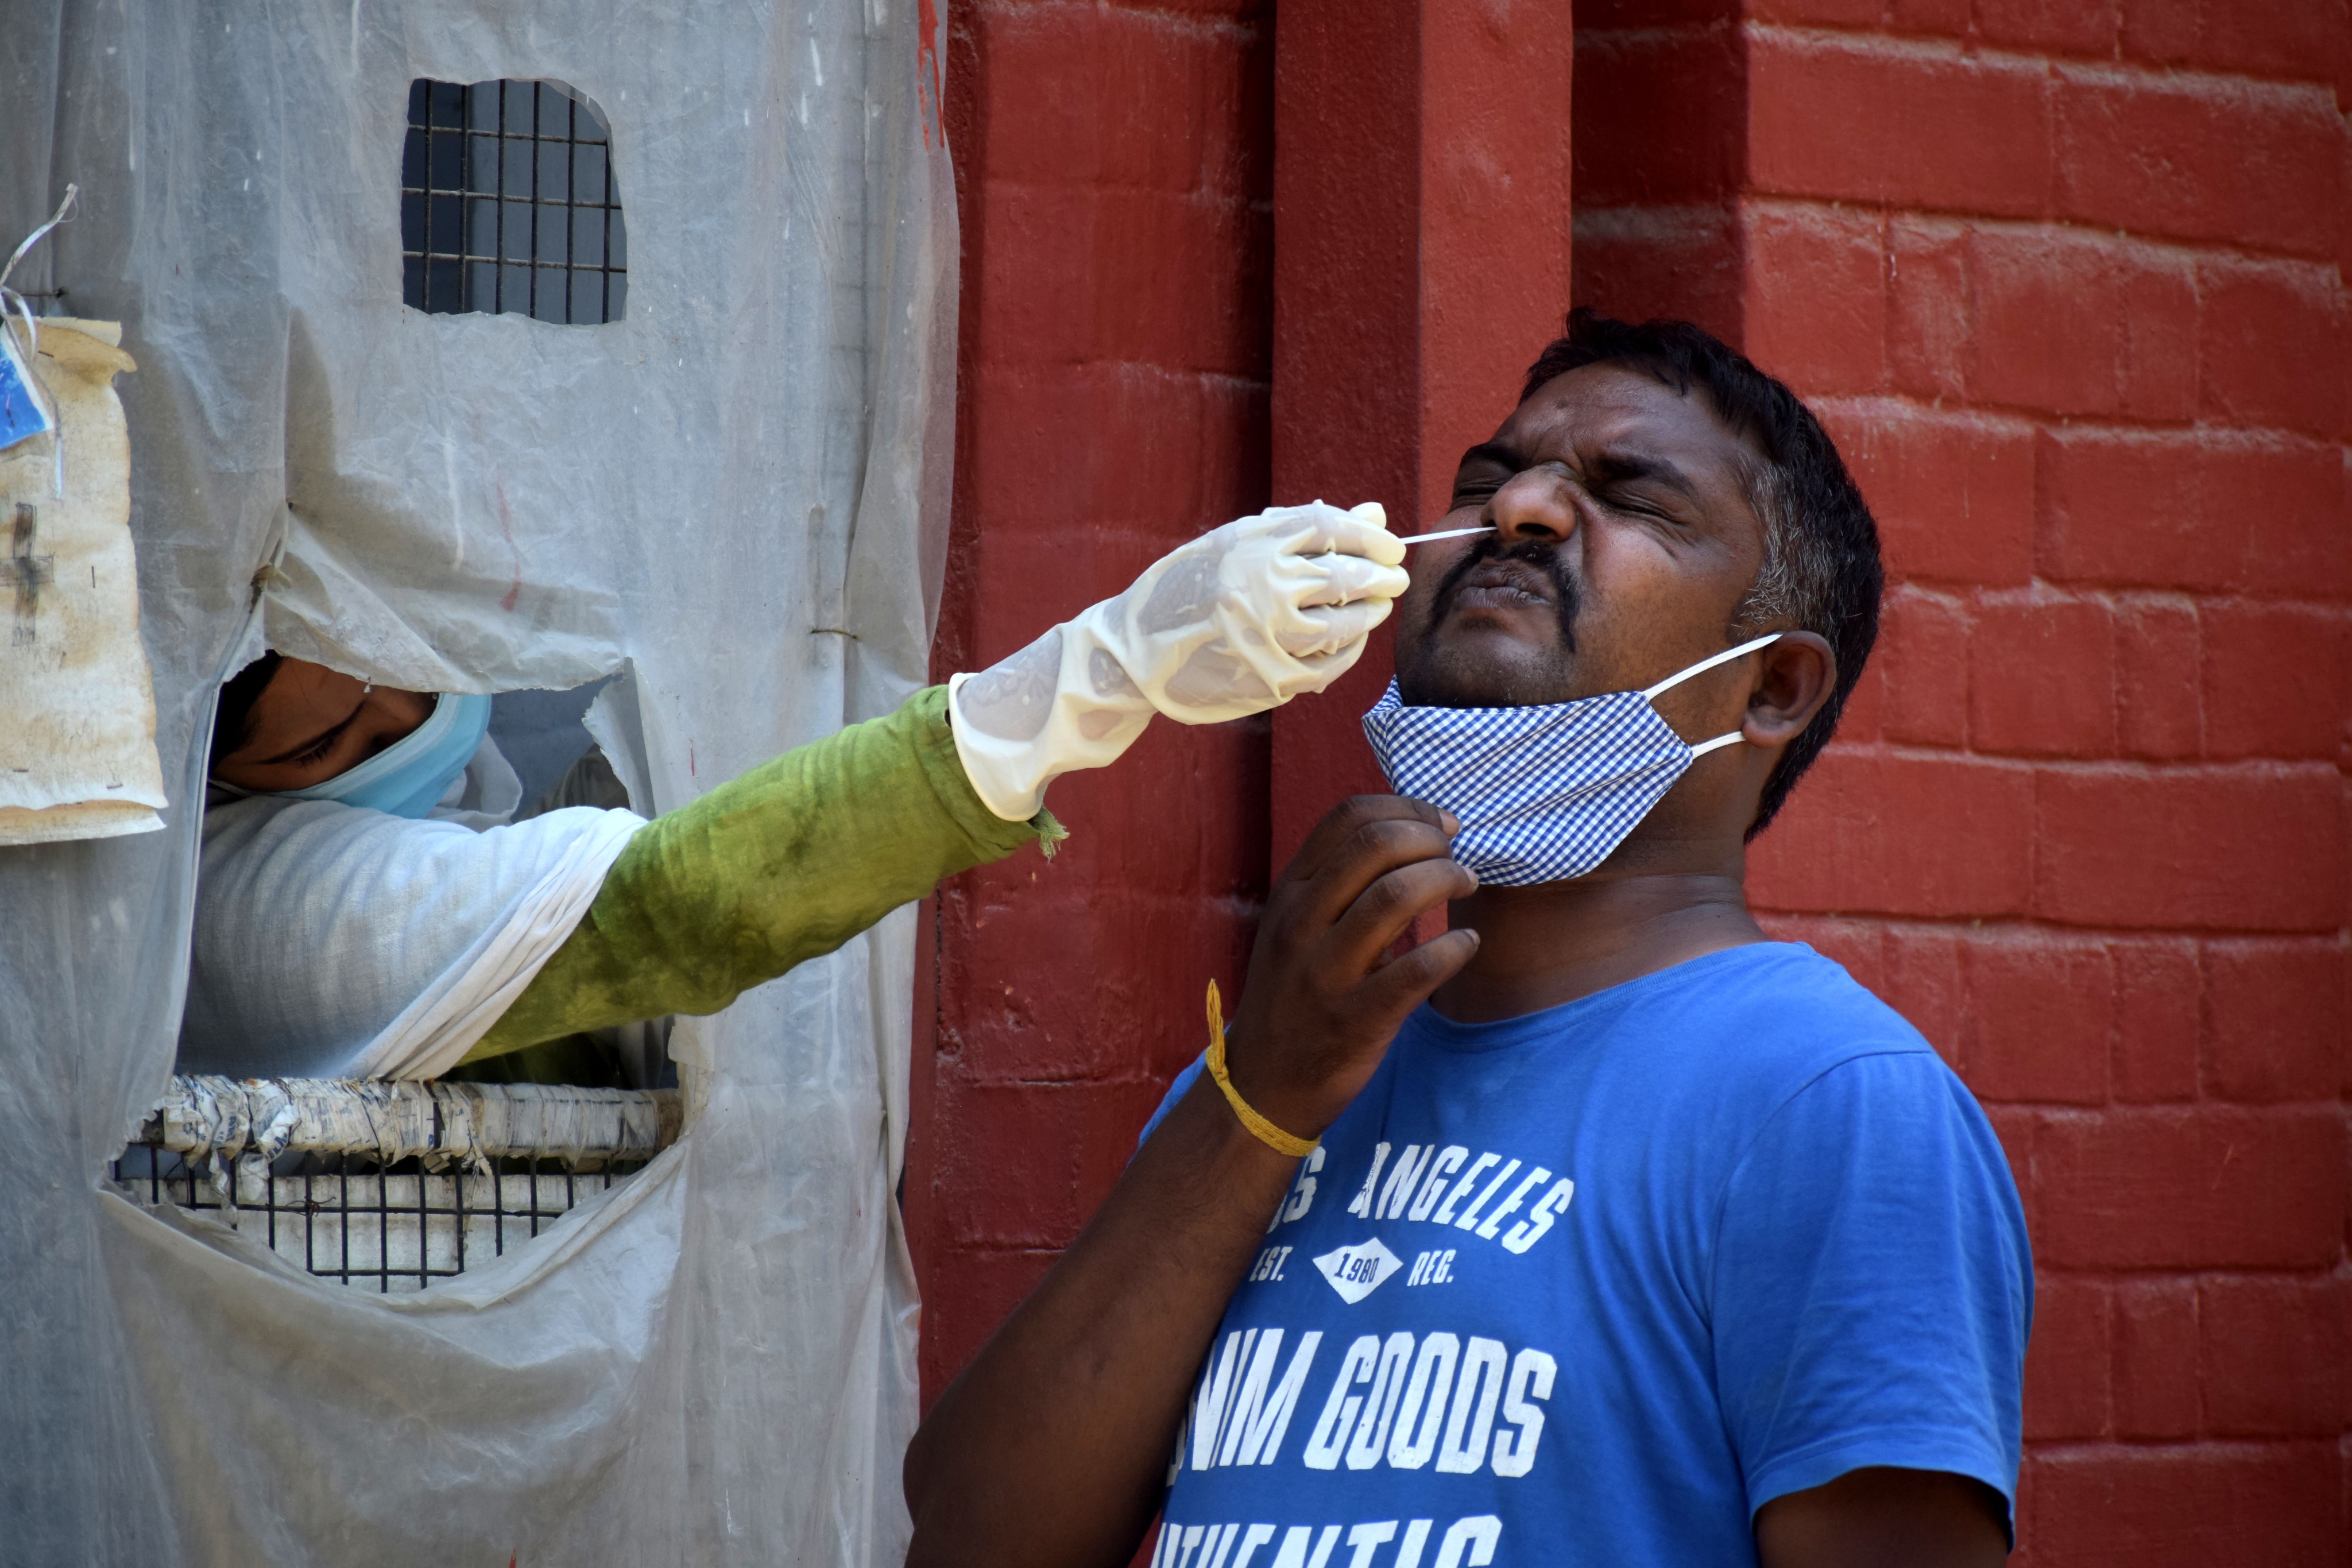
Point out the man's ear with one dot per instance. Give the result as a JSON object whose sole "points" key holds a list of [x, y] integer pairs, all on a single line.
{"points": [[1794, 677]]}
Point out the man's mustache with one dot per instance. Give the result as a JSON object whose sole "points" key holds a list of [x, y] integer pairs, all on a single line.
{"points": [[1541, 554]]}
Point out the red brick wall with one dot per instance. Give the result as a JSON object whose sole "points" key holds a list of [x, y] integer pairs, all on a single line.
{"points": [[2066, 281], [2066, 278]]}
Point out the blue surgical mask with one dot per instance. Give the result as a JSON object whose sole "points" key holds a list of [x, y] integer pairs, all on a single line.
{"points": [[408, 777], [1543, 793]]}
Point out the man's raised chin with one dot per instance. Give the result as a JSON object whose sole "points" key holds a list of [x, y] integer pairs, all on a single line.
{"points": [[1488, 656]]}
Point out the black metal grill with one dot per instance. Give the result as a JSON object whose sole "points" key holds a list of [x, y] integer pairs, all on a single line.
{"points": [[394, 1227], [507, 204], [392, 1184]]}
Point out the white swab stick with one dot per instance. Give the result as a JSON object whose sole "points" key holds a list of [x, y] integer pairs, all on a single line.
{"points": [[1446, 534]]}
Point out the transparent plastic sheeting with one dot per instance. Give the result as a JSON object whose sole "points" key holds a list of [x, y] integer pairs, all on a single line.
{"points": [[734, 497]]}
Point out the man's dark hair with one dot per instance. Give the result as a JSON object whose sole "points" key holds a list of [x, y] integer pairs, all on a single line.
{"points": [[233, 720], [1821, 545]]}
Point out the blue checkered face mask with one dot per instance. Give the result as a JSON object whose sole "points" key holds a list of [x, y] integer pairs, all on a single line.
{"points": [[1543, 793]]}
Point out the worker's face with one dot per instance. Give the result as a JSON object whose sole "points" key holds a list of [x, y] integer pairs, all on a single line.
{"points": [[311, 723], [1624, 546]]}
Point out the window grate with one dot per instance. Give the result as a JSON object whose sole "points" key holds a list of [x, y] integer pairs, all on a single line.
{"points": [[381, 1228], [390, 1186], [507, 204]]}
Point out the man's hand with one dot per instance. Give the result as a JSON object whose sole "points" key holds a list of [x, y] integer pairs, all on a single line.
{"points": [[1051, 1448], [1320, 1007]]}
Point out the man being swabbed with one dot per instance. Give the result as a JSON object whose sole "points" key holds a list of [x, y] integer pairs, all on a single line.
{"points": [[1624, 1236]]}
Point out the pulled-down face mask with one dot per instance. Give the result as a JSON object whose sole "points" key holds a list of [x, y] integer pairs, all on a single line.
{"points": [[407, 778], [1546, 792]]}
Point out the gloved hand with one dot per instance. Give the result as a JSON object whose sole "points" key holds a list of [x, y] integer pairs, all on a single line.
{"points": [[1240, 620]]}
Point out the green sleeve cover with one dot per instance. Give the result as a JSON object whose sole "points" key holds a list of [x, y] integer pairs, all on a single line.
{"points": [[786, 862]]}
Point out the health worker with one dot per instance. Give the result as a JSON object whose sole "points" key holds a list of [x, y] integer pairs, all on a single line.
{"points": [[368, 907]]}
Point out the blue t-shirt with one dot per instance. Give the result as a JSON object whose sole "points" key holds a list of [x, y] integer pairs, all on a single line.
{"points": [[1594, 1285]]}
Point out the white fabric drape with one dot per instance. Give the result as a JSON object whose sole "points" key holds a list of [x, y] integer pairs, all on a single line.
{"points": [[390, 945], [713, 1365]]}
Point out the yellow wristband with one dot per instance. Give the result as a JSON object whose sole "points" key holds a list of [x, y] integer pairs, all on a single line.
{"points": [[1266, 1132]]}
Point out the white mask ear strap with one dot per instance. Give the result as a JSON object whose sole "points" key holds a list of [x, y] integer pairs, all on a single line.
{"points": [[1717, 744], [1670, 682]]}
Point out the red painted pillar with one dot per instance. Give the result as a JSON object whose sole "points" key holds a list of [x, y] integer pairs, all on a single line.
{"points": [[1112, 170], [1421, 215], [1114, 166]]}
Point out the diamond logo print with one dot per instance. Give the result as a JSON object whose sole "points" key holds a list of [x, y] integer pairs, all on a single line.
{"points": [[1357, 1271]]}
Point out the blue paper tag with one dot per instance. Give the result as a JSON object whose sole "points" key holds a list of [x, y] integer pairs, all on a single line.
{"points": [[22, 415]]}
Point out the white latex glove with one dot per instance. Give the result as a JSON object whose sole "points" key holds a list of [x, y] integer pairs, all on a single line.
{"points": [[1240, 620]]}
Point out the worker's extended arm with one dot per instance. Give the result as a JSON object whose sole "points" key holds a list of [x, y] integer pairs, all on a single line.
{"points": [[796, 857], [784, 864]]}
